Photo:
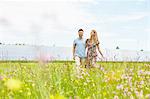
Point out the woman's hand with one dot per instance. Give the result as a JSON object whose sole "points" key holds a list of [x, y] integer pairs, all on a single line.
{"points": [[102, 58], [102, 55]]}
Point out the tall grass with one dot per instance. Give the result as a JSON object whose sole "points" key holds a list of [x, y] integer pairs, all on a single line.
{"points": [[61, 81]]}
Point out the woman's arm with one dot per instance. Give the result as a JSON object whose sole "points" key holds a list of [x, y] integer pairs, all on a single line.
{"points": [[99, 50]]}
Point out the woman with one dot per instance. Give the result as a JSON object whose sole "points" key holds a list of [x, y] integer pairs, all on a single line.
{"points": [[92, 45]]}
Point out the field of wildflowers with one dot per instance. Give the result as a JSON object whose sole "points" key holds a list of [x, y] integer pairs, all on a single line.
{"points": [[60, 81]]}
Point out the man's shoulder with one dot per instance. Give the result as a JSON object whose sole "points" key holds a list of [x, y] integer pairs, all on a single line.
{"points": [[76, 39]]}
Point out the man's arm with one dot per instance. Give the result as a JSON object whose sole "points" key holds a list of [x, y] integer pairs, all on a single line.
{"points": [[74, 46]]}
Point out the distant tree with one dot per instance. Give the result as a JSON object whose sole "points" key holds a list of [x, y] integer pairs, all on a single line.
{"points": [[117, 47], [0, 43], [141, 50], [54, 45]]}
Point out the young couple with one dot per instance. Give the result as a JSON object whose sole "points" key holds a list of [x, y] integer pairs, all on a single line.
{"points": [[85, 50]]}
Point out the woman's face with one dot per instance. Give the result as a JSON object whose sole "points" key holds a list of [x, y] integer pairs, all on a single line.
{"points": [[92, 33]]}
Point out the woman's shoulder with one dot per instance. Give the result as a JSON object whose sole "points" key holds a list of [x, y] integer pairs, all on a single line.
{"points": [[87, 40]]}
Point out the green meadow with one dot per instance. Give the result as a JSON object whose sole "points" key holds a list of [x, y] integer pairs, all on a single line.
{"points": [[59, 80]]}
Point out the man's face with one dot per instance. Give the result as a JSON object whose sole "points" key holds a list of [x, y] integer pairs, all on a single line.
{"points": [[80, 33]]}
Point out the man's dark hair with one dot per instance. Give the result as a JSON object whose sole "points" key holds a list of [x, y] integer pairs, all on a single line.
{"points": [[80, 30]]}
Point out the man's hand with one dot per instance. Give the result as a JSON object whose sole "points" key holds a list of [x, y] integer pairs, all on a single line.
{"points": [[73, 57], [74, 46]]}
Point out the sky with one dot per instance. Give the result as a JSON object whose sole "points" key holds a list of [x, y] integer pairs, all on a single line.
{"points": [[123, 23]]}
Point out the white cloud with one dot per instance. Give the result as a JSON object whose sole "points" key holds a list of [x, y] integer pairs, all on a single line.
{"points": [[147, 30], [87, 1], [121, 18], [56, 22], [43, 20]]}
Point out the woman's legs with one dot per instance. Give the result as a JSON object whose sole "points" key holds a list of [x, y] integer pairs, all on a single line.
{"points": [[93, 62], [87, 63]]}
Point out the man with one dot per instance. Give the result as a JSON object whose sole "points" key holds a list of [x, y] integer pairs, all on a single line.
{"points": [[79, 47]]}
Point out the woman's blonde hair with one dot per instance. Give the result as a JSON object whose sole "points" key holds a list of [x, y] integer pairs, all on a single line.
{"points": [[95, 38]]}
